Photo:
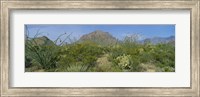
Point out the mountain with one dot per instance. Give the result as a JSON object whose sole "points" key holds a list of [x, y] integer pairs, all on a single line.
{"points": [[99, 37], [156, 40], [42, 41]]}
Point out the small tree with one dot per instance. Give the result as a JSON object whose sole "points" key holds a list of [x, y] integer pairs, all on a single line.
{"points": [[133, 38]]}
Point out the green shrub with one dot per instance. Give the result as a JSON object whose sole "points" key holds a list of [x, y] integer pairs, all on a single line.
{"points": [[46, 56], [124, 61], [85, 53]]}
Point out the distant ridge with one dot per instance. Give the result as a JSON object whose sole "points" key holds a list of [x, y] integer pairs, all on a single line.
{"points": [[156, 40], [103, 38]]}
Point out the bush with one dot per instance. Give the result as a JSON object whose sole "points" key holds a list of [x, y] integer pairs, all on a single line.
{"points": [[46, 56], [124, 61], [85, 53]]}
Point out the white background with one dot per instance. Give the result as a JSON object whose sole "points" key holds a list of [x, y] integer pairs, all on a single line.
{"points": [[180, 78]]}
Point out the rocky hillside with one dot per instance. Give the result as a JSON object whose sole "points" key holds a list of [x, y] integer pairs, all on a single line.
{"points": [[42, 41], [100, 37]]}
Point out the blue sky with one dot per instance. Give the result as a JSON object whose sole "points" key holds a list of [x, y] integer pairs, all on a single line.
{"points": [[119, 31]]}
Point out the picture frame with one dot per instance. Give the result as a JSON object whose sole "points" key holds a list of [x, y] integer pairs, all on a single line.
{"points": [[7, 6]]}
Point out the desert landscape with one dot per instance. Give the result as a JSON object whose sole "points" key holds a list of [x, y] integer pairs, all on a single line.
{"points": [[99, 51]]}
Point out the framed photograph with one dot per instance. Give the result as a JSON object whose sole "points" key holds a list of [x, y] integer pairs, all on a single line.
{"points": [[100, 48]]}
